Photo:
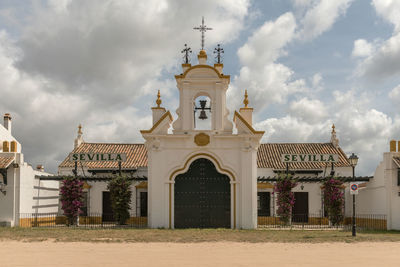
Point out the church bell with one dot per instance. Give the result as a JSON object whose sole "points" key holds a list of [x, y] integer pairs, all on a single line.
{"points": [[203, 115]]}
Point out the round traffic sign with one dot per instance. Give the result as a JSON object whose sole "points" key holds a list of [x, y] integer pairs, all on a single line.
{"points": [[354, 187]]}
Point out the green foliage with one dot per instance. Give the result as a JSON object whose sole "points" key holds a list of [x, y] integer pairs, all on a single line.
{"points": [[120, 193]]}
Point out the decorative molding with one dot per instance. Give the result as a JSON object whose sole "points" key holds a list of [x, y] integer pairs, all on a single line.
{"points": [[237, 115], [167, 114], [202, 66], [202, 139]]}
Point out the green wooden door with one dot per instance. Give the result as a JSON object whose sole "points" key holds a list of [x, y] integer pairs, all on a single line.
{"points": [[202, 197]]}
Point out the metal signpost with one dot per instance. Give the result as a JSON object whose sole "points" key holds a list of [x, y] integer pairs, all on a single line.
{"points": [[354, 192]]}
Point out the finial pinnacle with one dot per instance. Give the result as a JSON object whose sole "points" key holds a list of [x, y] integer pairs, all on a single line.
{"points": [[246, 100], [333, 128], [158, 101], [79, 129]]}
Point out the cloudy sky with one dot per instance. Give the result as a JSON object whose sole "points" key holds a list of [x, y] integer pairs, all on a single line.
{"points": [[305, 63]]}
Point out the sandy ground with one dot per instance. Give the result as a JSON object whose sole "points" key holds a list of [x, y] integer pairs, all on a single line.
{"points": [[13, 253]]}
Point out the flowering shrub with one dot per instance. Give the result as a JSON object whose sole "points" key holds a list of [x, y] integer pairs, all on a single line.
{"points": [[120, 194], [285, 198], [71, 198], [334, 200]]}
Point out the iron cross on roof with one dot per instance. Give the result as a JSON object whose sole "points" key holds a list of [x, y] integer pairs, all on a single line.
{"points": [[218, 50], [202, 28], [186, 51]]}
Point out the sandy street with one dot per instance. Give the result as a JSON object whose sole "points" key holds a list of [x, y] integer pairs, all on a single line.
{"points": [[198, 254]]}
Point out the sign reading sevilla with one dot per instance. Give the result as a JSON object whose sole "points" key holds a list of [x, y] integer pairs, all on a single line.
{"points": [[97, 157], [324, 158]]}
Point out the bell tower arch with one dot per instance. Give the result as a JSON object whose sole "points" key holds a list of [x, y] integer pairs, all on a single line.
{"points": [[202, 95], [202, 80]]}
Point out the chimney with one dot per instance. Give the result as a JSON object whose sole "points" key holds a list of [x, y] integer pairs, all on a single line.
{"points": [[246, 112], [7, 121], [158, 111], [393, 146], [40, 168], [79, 139]]}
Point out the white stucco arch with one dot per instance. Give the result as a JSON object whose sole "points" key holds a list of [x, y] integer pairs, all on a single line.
{"points": [[220, 168], [176, 170]]}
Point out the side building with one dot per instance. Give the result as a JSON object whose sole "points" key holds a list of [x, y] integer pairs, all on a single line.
{"points": [[21, 194]]}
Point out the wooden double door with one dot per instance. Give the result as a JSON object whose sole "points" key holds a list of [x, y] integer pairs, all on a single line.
{"points": [[202, 197]]}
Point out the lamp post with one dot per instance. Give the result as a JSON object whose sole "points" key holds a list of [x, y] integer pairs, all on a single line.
{"points": [[353, 162]]}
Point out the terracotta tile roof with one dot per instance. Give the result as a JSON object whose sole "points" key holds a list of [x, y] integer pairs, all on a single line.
{"points": [[269, 155], [397, 161], [5, 161], [136, 155]]}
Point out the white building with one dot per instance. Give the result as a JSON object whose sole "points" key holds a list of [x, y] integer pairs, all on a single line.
{"points": [[207, 172], [381, 195], [20, 192]]}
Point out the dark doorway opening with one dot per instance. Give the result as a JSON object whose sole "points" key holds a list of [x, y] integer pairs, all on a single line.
{"points": [[202, 197], [300, 209], [143, 204], [264, 203], [108, 214]]}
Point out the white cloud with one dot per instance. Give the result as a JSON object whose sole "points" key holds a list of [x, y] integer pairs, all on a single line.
{"points": [[395, 95], [362, 48], [317, 82], [384, 61], [267, 43], [308, 110], [321, 16], [100, 63], [389, 10], [361, 129], [266, 80]]}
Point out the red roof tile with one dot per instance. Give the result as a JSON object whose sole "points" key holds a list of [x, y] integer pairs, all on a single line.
{"points": [[136, 155], [5, 161], [269, 155]]}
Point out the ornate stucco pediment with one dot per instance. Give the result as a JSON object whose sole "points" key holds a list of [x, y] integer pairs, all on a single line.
{"points": [[161, 126], [243, 126], [201, 72]]}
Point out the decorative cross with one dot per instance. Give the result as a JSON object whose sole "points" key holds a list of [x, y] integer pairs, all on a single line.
{"points": [[186, 50], [218, 50], [202, 28]]}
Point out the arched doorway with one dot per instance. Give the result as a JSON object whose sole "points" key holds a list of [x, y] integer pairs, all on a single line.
{"points": [[202, 197]]}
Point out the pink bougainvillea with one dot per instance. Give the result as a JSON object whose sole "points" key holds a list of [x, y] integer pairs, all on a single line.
{"points": [[334, 200], [285, 197], [71, 198]]}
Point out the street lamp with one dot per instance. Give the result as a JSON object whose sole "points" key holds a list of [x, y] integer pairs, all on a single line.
{"points": [[353, 162]]}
